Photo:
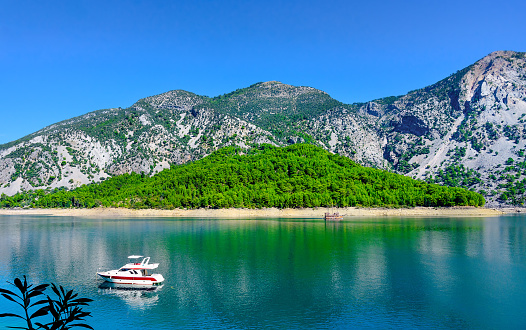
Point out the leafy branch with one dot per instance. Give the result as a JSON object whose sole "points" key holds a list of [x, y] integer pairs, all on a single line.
{"points": [[65, 310]]}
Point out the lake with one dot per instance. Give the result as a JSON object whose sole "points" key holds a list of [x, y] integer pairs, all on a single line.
{"points": [[411, 273]]}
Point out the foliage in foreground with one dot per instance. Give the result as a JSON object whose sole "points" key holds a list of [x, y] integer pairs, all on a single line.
{"points": [[296, 176], [65, 309]]}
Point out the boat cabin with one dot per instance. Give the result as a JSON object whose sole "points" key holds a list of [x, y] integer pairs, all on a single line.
{"points": [[138, 272]]}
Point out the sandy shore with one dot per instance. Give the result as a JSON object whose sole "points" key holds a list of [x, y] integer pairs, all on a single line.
{"points": [[316, 213]]}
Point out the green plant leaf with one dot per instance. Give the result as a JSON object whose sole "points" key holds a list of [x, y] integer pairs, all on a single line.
{"points": [[44, 326], [34, 294], [11, 315], [40, 302], [40, 287], [68, 295], [8, 292], [10, 298], [55, 289], [19, 285], [41, 312]]}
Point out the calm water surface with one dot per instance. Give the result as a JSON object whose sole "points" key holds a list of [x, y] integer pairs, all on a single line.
{"points": [[236, 274]]}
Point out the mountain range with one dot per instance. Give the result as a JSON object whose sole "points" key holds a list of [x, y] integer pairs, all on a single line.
{"points": [[467, 130]]}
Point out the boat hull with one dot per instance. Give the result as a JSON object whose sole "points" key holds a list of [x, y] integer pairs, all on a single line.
{"points": [[125, 287], [151, 280]]}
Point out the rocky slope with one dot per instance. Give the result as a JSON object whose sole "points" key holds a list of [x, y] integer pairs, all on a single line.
{"points": [[466, 130]]}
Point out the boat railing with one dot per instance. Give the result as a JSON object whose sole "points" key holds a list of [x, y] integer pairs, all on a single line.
{"points": [[145, 261]]}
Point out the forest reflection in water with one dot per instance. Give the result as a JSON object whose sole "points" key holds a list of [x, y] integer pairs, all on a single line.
{"points": [[384, 272]]}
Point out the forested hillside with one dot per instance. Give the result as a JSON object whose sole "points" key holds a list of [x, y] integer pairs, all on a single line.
{"points": [[297, 176]]}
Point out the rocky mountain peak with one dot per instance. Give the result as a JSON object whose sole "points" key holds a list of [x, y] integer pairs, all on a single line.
{"points": [[270, 83], [272, 89], [176, 99], [496, 68]]}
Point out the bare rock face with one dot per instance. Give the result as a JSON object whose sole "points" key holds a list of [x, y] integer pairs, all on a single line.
{"points": [[409, 124], [374, 109], [483, 149], [466, 130], [295, 139]]}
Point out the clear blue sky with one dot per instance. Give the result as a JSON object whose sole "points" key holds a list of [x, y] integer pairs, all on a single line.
{"points": [[60, 59]]}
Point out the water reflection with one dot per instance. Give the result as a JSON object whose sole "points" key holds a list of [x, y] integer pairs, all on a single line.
{"points": [[412, 273], [136, 297]]}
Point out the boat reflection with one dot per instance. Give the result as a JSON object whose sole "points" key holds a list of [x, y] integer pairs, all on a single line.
{"points": [[135, 296]]}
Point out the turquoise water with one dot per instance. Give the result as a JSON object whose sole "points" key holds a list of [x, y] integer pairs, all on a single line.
{"points": [[234, 274]]}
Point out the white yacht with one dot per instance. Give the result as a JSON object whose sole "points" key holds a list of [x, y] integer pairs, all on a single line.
{"points": [[134, 273]]}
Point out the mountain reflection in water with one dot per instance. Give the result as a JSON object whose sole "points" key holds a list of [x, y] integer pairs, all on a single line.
{"points": [[235, 274]]}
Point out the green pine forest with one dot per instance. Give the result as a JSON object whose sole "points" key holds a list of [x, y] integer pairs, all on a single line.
{"points": [[296, 176]]}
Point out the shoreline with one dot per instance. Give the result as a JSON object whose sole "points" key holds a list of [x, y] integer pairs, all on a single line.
{"points": [[304, 213]]}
